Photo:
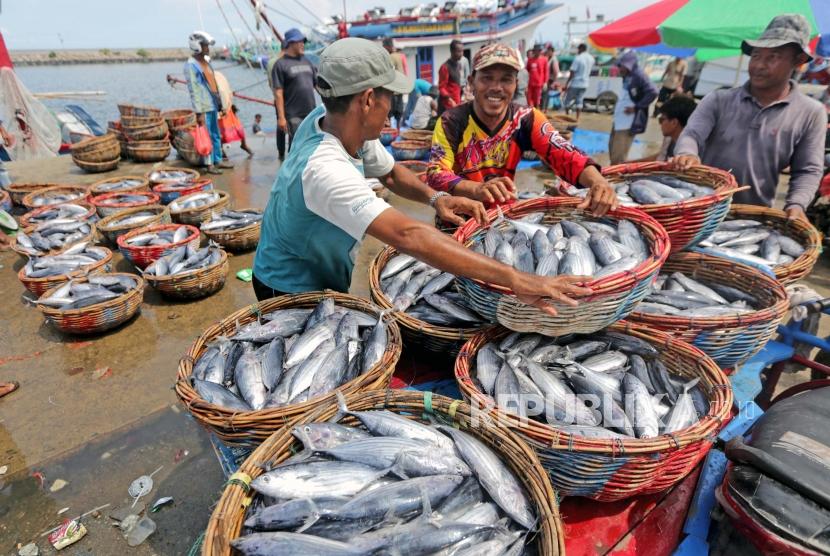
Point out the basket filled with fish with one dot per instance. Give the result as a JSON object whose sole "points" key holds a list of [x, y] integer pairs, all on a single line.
{"points": [[76, 210], [19, 190], [112, 203], [145, 245], [171, 174], [423, 135], [622, 412], [189, 273], [387, 135], [388, 472], [139, 111], [410, 150], [52, 237], [94, 303], [126, 220], [424, 302], [550, 236], [235, 230], [271, 362], [727, 309], [198, 207], [56, 195], [766, 238], [119, 184], [148, 151], [171, 190], [42, 273], [689, 204]]}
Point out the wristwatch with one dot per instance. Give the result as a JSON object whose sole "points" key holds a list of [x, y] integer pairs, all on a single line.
{"points": [[437, 196]]}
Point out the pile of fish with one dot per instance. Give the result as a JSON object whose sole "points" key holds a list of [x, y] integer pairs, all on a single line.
{"points": [[231, 220], [133, 219], [123, 199], [603, 385], [52, 198], [595, 248], [392, 486], [184, 259], [679, 295], [167, 176], [161, 237], [293, 356], [654, 190], [67, 211], [426, 293], [754, 242], [119, 185], [97, 289], [179, 185], [195, 200], [75, 258], [53, 234]]}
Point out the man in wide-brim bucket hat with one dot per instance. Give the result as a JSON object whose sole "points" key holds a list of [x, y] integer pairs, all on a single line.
{"points": [[764, 126]]}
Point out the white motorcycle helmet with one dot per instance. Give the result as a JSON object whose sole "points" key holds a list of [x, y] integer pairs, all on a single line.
{"points": [[197, 39]]}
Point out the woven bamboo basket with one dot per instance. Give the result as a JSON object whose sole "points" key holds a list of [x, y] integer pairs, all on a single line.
{"points": [[96, 318], [441, 339], [30, 218], [252, 427], [410, 150], [97, 167], [134, 110], [90, 237], [612, 298], [154, 131], [226, 521], [179, 118], [240, 239], [141, 257], [148, 151], [5, 200], [19, 190], [806, 234], [387, 135], [106, 206], [97, 188], [46, 197], [612, 469], [93, 144], [194, 175], [730, 341], [418, 167], [102, 152], [38, 286], [169, 192], [111, 230], [423, 135], [185, 149], [195, 284], [693, 220], [201, 214]]}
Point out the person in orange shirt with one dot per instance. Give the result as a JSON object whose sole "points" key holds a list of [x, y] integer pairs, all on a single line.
{"points": [[537, 69]]}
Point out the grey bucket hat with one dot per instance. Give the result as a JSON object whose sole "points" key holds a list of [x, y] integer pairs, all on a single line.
{"points": [[353, 65], [783, 29]]}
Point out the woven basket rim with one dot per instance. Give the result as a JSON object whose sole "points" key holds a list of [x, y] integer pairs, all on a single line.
{"points": [[56, 312], [99, 201], [25, 220], [63, 277], [236, 231], [167, 186], [30, 229], [143, 185], [153, 279], [409, 145], [109, 164], [147, 174], [93, 141], [103, 224], [122, 240], [223, 197], [27, 199]]}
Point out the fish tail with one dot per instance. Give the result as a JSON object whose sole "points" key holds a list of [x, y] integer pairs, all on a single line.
{"points": [[313, 516]]}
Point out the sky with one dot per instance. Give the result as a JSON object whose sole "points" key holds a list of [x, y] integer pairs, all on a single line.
{"points": [[56, 24]]}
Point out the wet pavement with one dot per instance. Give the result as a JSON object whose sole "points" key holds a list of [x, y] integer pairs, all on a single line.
{"points": [[98, 412]]}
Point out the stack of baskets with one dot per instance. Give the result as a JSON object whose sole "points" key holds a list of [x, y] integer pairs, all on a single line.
{"points": [[97, 154], [180, 118], [146, 133], [182, 123]]}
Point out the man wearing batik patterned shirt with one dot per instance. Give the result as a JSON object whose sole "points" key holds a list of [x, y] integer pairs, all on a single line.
{"points": [[476, 146]]}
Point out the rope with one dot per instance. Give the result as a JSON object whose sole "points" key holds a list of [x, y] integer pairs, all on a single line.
{"points": [[251, 31], [314, 15], [241, 479], [228, 23], [285, 15]]}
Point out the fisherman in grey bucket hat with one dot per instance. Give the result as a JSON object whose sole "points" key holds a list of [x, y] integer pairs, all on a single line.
{"points": [[782, 30]]}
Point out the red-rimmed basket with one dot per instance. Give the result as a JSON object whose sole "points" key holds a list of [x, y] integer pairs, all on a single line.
{"points": [[613, 297], [194, 284], [547, 539], [418, 167], [99, 317], [38, 286], [90, 237], [169, 192], [613, 469], [441, 339], [97, 187], [27, 219], [111, 229], [194, 175], [107, 207], [249, 428], [687, 222], [142, 256], [49, 196]]}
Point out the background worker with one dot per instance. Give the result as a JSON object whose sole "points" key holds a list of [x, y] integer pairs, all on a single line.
{"points": [[673, 117], [578, 80], [451, 77], [425, 113], [537, 71], [399, 61], [293, 80], [767, 124], [672, 81], [321, 205], [631, 110]]}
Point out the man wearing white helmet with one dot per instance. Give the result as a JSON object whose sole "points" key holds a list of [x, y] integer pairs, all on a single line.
{"points": [[204, 95]]}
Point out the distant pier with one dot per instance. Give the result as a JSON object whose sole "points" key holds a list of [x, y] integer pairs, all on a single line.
{"points": [[97, 56]]}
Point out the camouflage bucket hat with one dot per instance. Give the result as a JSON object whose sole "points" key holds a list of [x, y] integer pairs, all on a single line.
{"points": [[783, 29]]}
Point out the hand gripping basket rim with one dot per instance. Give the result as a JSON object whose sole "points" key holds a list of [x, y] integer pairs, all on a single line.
{"points": [[227, 517], [252, 427], [433, 337], [612, 469], [146, 254], [39, 285], [729, 340]]}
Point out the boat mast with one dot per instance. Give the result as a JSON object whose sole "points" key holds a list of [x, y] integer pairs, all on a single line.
{"points": [[261, 13]]}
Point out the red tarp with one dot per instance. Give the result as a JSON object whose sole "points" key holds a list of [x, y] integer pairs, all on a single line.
{"points": [[638, 28], [5, 59]]}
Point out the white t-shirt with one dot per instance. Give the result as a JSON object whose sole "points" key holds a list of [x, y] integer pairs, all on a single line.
{"points": [[622, 120], [421, 113]]}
